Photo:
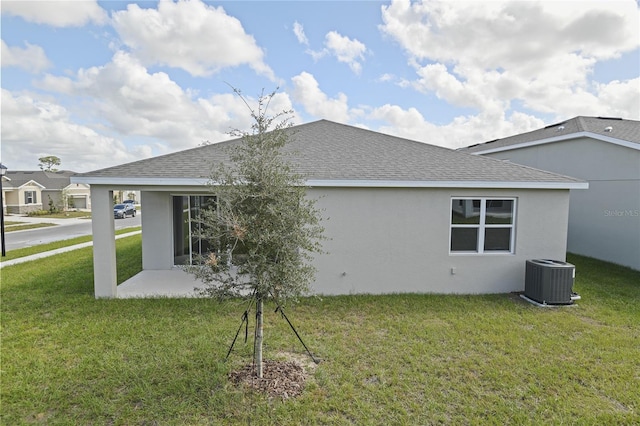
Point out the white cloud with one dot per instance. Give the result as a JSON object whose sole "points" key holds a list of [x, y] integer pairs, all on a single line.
{"points": [[190, 35], [525, 36], [134, 102], [120, 102], [461, 131], [33, 127], [620, 97], [298, 30], [346, 50], [487, 54], [306, 92], [409, 123], [31, 59], [59, 13]]}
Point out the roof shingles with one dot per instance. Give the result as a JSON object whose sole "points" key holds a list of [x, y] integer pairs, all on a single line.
{"points": [[326, 151], [624, 130]]}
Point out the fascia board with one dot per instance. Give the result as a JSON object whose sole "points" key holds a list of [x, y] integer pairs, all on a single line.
{"points": [[446, 184], [136, 182], [72, 187], [32, 182], [577, 135], [142, 183]]}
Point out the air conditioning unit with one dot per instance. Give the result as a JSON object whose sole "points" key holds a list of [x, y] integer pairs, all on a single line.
{"points": [[550, 282]]}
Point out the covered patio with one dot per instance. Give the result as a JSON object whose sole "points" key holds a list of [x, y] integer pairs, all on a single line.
{"points": [[174, 283]]}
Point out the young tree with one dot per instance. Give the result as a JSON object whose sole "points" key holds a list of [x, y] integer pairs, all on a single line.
{"points": [[263, 226], [48, 163]]}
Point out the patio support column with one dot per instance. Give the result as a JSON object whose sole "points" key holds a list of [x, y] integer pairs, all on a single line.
{"points": [[104, 243]]}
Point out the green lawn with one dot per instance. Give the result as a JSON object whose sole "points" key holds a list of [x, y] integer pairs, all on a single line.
{"points": [[394, 360], [66, 215], [28, 226]]}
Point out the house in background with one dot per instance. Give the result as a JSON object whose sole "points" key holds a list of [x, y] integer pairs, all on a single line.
{"points": [[403, 216], [604, 221], [28, 191]]}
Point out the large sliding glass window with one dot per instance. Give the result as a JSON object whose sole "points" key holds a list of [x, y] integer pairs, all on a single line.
{"points": [[482, 225], [186, 212]]}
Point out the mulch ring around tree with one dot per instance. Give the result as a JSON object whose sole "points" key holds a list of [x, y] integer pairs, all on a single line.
{"points": [[280, 379]]}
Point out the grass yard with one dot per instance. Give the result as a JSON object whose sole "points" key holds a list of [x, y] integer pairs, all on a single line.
{"points": [[401, 359], [65, 215], [26, 226]]}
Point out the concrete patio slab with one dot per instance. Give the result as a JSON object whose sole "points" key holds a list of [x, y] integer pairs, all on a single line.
{"points": [[174, 283]]}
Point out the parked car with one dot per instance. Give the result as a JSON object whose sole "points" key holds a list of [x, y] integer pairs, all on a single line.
{"points": [[120, 211], [129, 201]]}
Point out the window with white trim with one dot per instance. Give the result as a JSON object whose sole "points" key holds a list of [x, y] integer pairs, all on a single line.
{"points": [[482, 225], [30, 197]]}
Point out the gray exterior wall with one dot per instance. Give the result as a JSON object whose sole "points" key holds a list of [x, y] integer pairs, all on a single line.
{"points": [[397, 240], [55, 195], [604, 221], [157, 231]]}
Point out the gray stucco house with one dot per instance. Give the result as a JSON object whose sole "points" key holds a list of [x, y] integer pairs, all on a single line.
{"points": [[604, 221], [403, 216]]}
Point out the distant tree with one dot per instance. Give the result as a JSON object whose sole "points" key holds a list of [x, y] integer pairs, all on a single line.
{"points": [[264, 226], [48, 163], [52, 207]]}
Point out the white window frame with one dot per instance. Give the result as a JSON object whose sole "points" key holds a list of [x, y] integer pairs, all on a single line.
{"points": [[30, 197], [482, 226]]}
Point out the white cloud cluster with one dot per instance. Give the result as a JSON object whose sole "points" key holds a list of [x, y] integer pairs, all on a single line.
{"points": [[298, 30], [487, 54], [59, 13], [33, 127], [306, 91], [487, 57], [135, 102], [31, 59], [348, 51], [190, 35], [123, 100]]}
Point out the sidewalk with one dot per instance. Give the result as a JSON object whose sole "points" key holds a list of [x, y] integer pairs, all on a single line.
{"points": [[58, 251], [24, 219]]}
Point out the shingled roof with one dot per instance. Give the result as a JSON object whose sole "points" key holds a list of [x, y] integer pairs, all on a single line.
{"points": [[49, 180], [333, 154], [610, 129]]}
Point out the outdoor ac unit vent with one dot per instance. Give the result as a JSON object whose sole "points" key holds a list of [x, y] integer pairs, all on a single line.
{"points": [[549, 282]]}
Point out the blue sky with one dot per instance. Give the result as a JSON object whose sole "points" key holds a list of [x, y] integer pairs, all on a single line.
{"points": [[100, 83]]}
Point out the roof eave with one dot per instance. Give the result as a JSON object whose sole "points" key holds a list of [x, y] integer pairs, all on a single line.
{"points": [[576, 135], [447, 184], [338, 183]]}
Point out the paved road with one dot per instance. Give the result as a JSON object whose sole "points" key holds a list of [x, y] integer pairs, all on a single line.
{"points": [[64, 230]]}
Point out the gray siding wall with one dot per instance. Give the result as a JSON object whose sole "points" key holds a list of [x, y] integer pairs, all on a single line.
{"points": [[604, 221]]}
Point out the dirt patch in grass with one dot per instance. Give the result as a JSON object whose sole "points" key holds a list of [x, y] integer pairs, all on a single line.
{"points": [[280, 378], [283, 379]]}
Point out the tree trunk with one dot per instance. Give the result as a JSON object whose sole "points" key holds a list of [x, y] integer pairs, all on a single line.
{"points": [[258, 337]]}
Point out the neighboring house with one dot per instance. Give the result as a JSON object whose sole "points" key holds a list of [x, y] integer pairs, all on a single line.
{"points": [[402, 216], [28, 191], [604, 221]]}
